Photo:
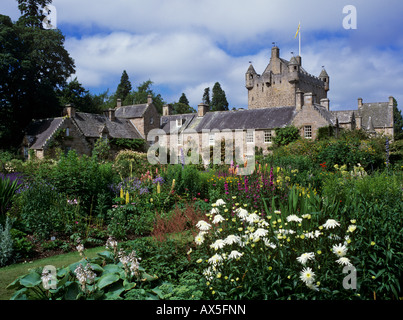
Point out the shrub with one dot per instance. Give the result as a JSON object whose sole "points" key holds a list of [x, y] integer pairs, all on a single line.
{"points": [[285, 136], [6, 243]]}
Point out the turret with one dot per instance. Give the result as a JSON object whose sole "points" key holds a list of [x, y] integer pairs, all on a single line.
{"points": [[293, 70], [250, 77], [325, 78]]}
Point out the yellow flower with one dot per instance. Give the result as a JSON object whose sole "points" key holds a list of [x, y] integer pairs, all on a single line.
{"points": [[158, 188], [372, 243], [127, 198]]}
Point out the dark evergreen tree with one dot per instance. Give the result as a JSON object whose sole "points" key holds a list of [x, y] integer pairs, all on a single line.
{"points": [[124, 87], [34, 66], [397, 121], [183, 99], [206, 96], [219, 101]]}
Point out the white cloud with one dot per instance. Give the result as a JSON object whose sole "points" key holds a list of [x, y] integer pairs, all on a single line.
{"points": [[187, 45]]}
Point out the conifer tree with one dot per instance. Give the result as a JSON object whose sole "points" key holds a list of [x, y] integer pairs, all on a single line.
{"points": [[219, 101]]}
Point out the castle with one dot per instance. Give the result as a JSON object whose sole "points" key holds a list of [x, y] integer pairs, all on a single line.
{"points": [[283, 95]]}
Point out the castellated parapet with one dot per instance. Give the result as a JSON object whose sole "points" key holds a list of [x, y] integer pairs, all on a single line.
{"points": [[278, 85]]}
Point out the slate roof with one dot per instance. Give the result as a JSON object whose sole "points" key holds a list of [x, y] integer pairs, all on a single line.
{"points": [[186, 121], [39, 131], [130, 112], [91, 126], [380, 113], [267, 118]]}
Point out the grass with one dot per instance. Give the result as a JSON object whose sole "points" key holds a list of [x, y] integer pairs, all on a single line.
{"points": [[9, 273]]}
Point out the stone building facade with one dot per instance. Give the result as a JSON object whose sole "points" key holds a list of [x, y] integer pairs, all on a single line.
{"points": [[283, 95]]}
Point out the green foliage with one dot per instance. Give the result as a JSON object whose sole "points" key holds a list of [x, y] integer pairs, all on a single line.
{"points": [[34, 64], [81, 177], [42, 209], [7, 193], [130, 144], [125, 220], [107, 277], [219, 100], [285, 136], [124, 87]]}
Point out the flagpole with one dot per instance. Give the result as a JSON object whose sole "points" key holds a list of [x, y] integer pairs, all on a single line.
{"points": [[299, 33]]}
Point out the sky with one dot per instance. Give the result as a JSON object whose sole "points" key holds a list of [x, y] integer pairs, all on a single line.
{"points": [[185, 46]]}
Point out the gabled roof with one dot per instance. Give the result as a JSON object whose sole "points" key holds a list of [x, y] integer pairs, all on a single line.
{"points": [[131, 112], [186, 121], [39, 132], [91, 126], [267, 118], [379, 113]]}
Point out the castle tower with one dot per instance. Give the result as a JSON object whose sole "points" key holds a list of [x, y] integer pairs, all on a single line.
{"points": [[278, 85]]}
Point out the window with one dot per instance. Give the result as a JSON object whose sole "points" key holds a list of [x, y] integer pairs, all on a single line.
{"points": [[308, 132], [267, 136], [250, 137], [67, 132], [211, 139], [151, 120]]}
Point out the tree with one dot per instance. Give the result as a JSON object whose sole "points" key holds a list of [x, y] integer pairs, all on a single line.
{"points": [[206, 96], [31, 12], [34, 66], [397, 121], [74, 93], [124, 87], [183, 99], [140, 96], [219, 101], [181, 108]]}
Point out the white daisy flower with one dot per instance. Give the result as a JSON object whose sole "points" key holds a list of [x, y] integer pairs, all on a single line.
{"points": [[252, 218], [269, 244], [218, 218], [294, 217], [214, 211], [218, 244], [231, 239], [216, 259], [331, 224], [242, 213], [235, 254], [199, 239], [340, 250], [303, 258], [219, 202], [344, 261], [307, 276], [203, 225], [312, 286], [260, 233]]}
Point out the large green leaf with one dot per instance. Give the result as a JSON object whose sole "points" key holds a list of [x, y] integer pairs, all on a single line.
{"points": [[107, 280], [31, 280]]}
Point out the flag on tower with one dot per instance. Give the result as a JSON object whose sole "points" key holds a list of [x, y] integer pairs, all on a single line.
{"points": [[299, 25]]}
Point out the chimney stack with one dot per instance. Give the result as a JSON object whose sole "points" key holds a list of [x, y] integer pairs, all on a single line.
{"points": [[308, 99], [166, 110], [70, 111], [149, 99], [118, 103], [111, 114], [202, 109], [359, 103], [299, 100], [325, 102]]}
